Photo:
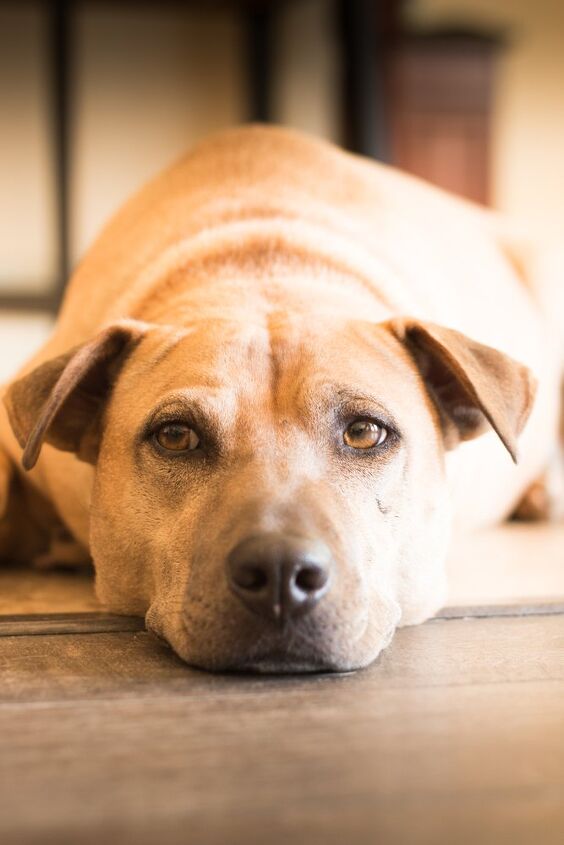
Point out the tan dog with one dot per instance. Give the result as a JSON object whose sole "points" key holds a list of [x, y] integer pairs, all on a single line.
{"points": [[247, 411]]}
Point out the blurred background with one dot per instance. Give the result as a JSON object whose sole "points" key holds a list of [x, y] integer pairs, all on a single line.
{"points": [[95, 97]]}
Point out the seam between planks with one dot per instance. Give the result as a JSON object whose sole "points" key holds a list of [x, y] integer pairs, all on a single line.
{"points": [[497, 611], [33, 625]]}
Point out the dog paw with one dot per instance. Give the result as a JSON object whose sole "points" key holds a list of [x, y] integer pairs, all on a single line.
{"points": [[63, 551], [543, 501], [6, 474]]}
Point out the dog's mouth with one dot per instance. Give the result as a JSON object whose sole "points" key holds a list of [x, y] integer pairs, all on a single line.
{"points": [[265, 658], [244, 643], [281, 662], [274, 663], [286, 661], [274, 667], [281, 658]]}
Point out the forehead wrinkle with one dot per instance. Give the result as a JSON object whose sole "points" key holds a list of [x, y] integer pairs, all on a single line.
{"points": [[168, 343], [199, 364], [311, 391], [380, 343], [275, 365], [288, 381]]}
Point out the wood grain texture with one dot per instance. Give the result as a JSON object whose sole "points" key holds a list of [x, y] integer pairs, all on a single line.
{"points": [[455, 734], [544, 607], [41, 624], [38, 624]]}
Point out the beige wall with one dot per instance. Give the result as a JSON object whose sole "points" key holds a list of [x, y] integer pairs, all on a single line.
{"points": [[27, 250], [528, 151], [150, 81], [21, 333], [124, 132], [147, 83], [306, 89]]}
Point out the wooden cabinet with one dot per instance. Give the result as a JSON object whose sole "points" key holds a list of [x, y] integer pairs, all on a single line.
{"points": [[440, 91]]}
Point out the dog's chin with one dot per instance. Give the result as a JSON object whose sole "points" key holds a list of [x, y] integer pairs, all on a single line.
{"points": [[313, 645], [276, 663], [279, 659], [273, 666], [273, 663]]}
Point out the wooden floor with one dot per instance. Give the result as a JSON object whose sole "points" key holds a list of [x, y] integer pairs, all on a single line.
{"points": [[455, 735]]}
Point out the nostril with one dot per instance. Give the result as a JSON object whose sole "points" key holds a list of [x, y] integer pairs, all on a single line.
{"points": [[311, 578], [251, 578], [279, 576]]}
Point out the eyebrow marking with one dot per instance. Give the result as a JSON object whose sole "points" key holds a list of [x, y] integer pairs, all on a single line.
{"points": [[195, 396], [349, 396], [170, 342], [192, 406]]}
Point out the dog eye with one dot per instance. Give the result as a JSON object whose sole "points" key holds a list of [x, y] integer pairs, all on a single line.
{"points": [[177, 437], [364, 434]]}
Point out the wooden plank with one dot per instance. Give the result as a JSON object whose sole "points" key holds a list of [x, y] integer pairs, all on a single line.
{"points": [[439, 653], [547, 607], [29, 625], [42, 624], [439, 766], [455, 734]]}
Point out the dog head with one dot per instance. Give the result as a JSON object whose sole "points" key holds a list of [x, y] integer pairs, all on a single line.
{"points": [[272, 496]]}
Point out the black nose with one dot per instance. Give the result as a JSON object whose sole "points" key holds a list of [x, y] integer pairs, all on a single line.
{"points": [[279, 576]]}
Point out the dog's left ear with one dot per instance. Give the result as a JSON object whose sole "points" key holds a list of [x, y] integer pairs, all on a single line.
{"points": [[471, 384], [60, 401]]}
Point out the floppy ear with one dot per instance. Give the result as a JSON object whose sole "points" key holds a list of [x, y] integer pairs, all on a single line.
{"points": [[60, 401], [471, 384]]}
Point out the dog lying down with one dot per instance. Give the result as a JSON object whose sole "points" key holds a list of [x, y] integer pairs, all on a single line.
{"points": [[259, 407]]}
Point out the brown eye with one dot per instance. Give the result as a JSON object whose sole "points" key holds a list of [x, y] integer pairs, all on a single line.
{"points": [[364, 434], [177, 437]]}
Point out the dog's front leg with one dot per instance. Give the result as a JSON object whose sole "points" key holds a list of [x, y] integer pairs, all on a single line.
{"points": [[544, 499], [9, 509], [30, 531]]}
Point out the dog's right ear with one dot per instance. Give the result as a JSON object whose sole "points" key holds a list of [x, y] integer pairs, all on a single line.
{"points": [[473, 386], [60, 402]]}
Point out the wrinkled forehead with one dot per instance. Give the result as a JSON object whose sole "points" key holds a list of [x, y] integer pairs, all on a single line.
{"points": [[210, 355], [291, 360]]}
